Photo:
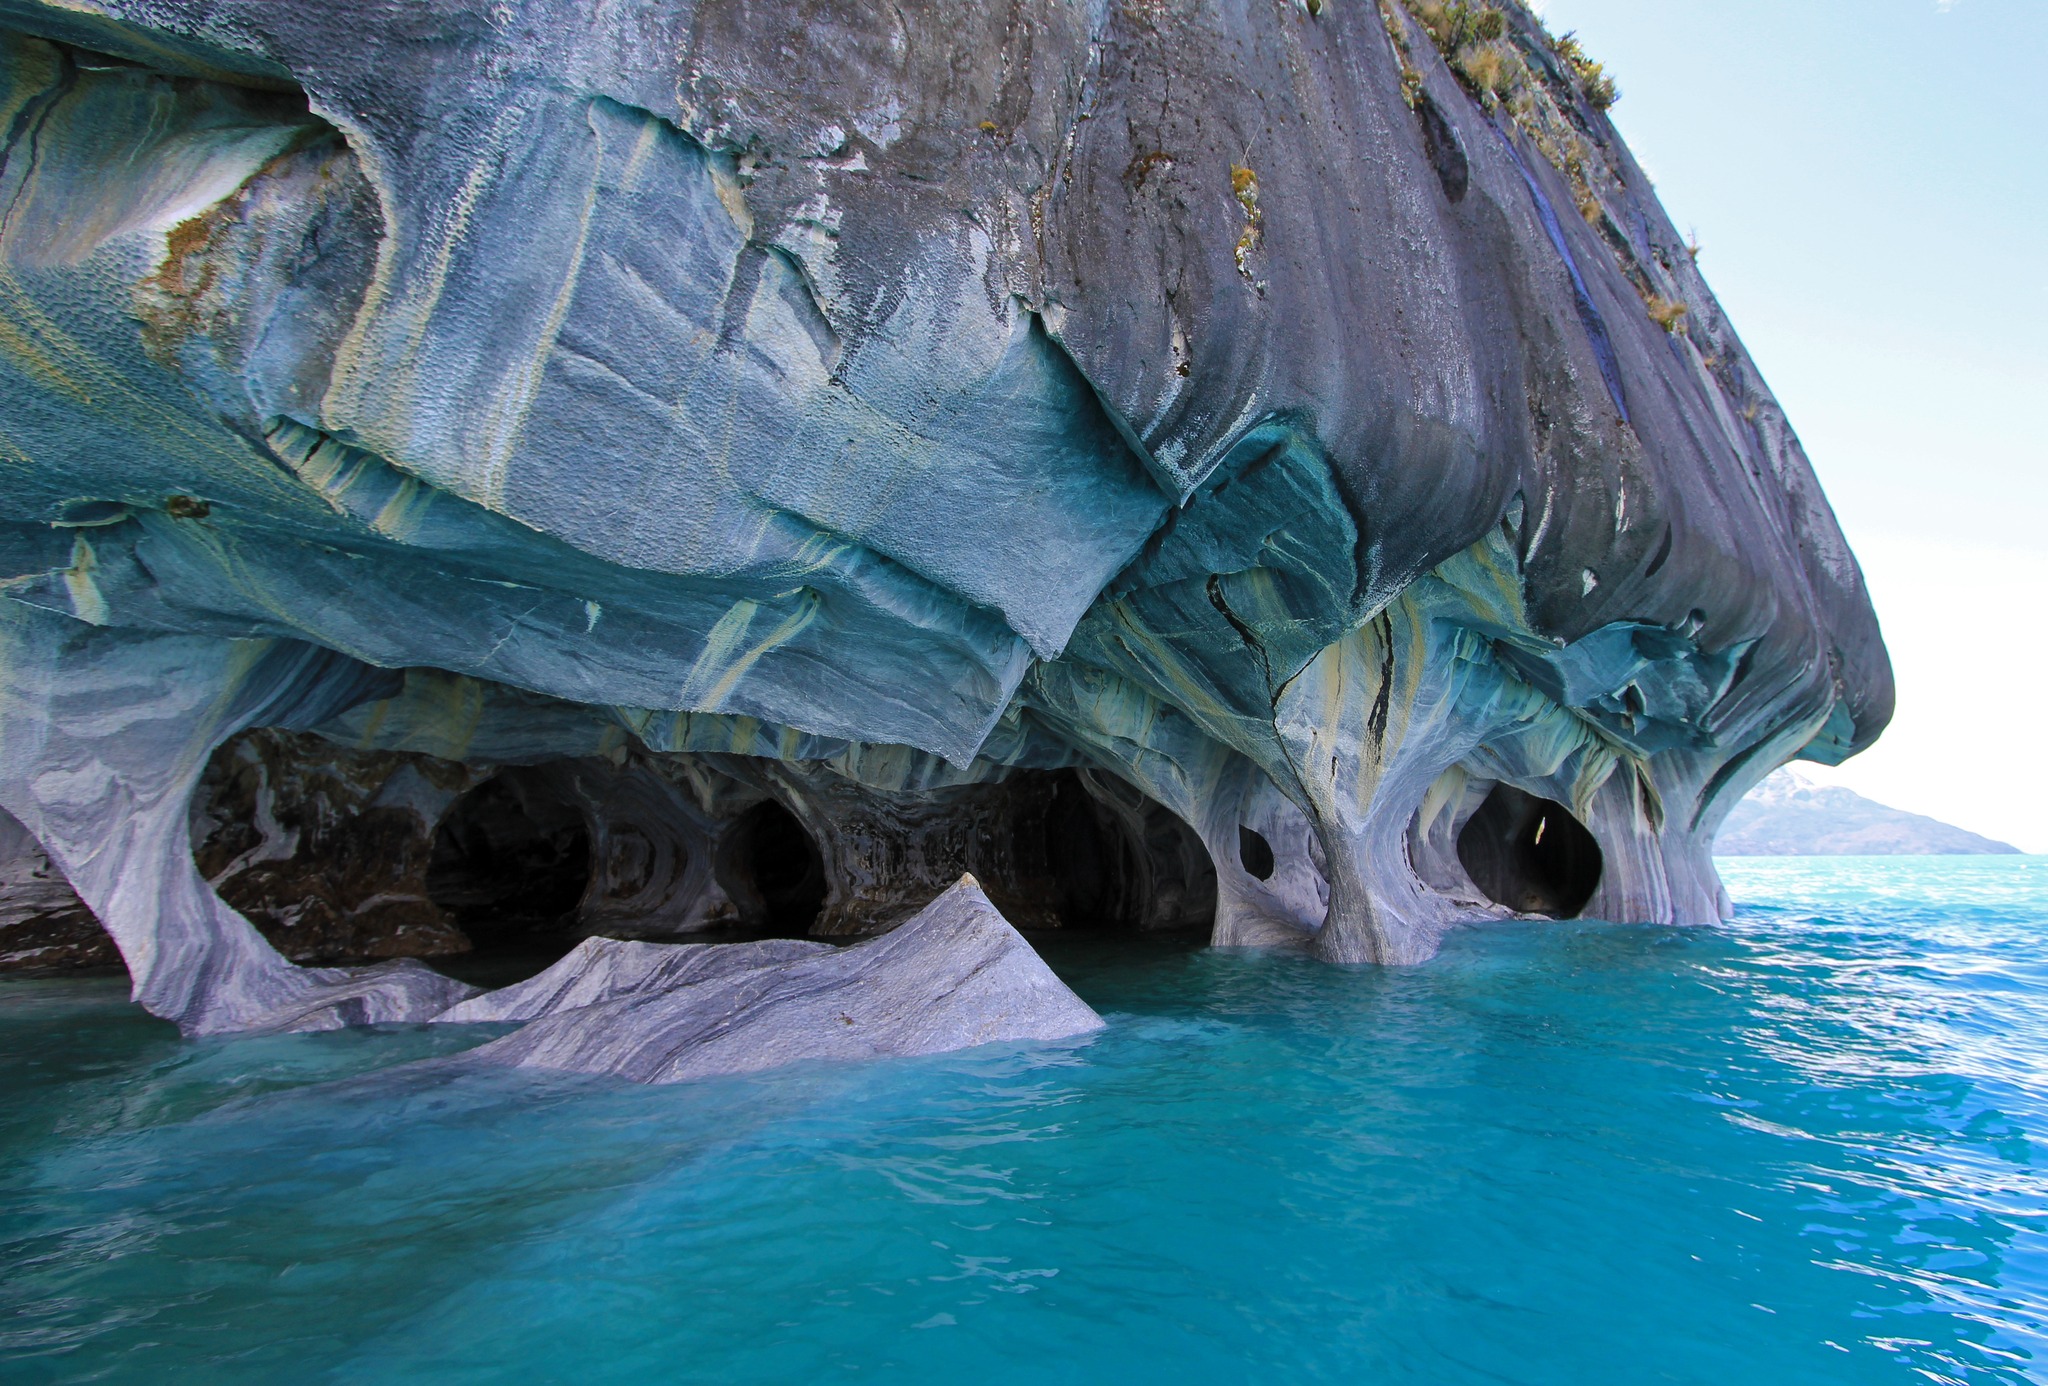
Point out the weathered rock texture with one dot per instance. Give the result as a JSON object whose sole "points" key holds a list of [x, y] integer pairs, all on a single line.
{"points": [[1181, 463], [954, 975], [326, 851]]}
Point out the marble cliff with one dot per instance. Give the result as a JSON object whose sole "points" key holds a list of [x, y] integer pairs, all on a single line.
{"points": [[632, 466]]}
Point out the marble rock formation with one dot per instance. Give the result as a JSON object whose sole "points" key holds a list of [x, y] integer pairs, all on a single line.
{"points": [[661, 463], [953, 975], [606, 969]]}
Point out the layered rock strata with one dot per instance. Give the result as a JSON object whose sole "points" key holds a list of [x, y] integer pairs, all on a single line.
{"points": [[599, 970], [1268, 468]]}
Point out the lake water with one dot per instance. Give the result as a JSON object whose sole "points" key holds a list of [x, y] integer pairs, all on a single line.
{"points": [[1809, 1146]]}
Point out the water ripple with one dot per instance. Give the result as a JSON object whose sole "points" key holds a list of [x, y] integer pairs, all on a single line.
{"points": [[1803, 1147]]}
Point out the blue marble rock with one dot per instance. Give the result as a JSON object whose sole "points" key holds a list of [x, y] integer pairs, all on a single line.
{"points": [[1272, 469]]}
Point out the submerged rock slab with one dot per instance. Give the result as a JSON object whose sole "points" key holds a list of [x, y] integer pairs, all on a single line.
{"points": [[598, 970], [953, 976]]}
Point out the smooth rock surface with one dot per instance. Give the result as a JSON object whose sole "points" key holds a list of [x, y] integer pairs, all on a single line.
{"points": [[954, 975], [608, 969]]}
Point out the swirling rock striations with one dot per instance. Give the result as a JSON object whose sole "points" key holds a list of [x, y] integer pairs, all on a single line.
{"points": [[599, 970], [952, 976], [661, 463]]}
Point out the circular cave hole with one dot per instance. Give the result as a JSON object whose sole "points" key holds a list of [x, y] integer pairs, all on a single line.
{"points": [[510, 864], [772, 871], [1530, 854]]}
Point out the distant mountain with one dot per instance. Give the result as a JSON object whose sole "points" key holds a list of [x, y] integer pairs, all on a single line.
{"points": [[1788, 815]]}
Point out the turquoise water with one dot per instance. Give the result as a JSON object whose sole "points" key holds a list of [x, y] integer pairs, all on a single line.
{"points": [[1805, 1147]]}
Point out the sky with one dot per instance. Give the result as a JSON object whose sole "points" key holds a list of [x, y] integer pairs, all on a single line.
{"points": [[1868, 184]]}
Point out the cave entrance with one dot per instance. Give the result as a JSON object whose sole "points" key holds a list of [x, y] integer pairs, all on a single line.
{"points": [[772, 871], [1530, 854], [1255, 853], [510, 864], [1091, 863], [1100, 859]]}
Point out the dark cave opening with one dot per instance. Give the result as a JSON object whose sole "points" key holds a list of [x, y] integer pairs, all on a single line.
{"points": [[1530, 854], [772, 871], [1091, 863], [1254, 853], [510, 864], [1100, 859]]}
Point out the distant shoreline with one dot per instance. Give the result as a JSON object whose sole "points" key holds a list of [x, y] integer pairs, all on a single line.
{"points": [[2014, 855], [1789, 815]]}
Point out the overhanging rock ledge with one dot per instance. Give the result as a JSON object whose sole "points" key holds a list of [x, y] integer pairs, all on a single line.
{"points": [[657, 465]]}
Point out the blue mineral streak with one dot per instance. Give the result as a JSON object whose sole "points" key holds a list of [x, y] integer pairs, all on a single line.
{"points": [[1589, 314], [1800, 1147]]}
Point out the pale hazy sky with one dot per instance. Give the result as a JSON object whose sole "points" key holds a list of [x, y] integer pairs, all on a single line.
{"points": [[1868, 181]]}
